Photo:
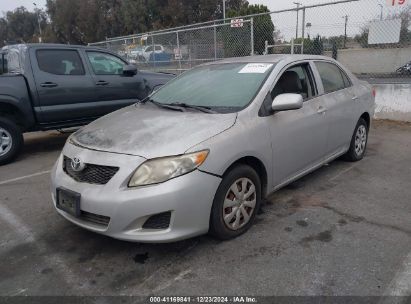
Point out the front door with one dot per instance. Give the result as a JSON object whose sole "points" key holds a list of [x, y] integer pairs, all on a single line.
{"points": [[299, 137], [112, 87]]}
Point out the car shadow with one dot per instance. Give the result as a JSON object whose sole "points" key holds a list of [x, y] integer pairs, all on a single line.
{"points": [[42, 142]]}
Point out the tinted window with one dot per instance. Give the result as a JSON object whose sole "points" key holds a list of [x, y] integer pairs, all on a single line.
{"points": [[347, 81], [331, 76], [157, 48], [3, 64], [105, 64], [223, 87], [60, 62]]}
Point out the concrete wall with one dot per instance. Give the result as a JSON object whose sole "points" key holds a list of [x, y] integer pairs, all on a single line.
{"points": [[373, 60], [393, 101]]}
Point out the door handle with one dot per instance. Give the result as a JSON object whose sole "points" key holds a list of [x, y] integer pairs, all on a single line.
{"points": [[355, 97], [102, 83], [321, 110], [48, 84]]}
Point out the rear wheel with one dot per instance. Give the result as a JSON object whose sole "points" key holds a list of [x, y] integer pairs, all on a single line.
{"points": [[358, 143], [235, 203], [11, 140]]}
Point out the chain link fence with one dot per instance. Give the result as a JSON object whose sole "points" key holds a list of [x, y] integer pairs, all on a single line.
{"points": [[179, 50], [371, 37]]}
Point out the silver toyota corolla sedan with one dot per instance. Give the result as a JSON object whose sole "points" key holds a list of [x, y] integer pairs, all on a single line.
{"points": [[200, 154]]}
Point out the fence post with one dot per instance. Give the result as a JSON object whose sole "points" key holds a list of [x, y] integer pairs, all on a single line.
{"points": [[303, 32], [266, 47], [153, 52], [179, 52], [292, 46], [215, 42], [252, 35]]}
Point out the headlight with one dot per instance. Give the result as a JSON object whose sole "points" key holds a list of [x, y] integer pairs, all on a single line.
{"points": [[159, 170]]}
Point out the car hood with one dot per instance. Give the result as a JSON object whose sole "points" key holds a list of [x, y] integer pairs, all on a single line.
{"points": [[149, 131]]}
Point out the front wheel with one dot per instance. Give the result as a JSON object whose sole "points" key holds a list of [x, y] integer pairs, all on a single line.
{"points": [[11, 140], [358, 143], [236, 203]]}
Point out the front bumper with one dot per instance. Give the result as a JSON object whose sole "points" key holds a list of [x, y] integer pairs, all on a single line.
{"points": [[189, 198]]}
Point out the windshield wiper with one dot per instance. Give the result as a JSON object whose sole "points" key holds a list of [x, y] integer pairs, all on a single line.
{"points": [[203, 109], [159, 104]]}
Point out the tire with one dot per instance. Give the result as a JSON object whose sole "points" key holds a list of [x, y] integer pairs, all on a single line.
{"points": [[11, 140], [358, 143], [239, 176]]}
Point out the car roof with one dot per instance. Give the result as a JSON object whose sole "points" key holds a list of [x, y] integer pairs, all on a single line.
{"points": [[271, 58], [50, 45]]}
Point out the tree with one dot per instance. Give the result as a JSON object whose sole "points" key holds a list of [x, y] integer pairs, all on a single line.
{"points": [[263, 25], [21, 25], [3, 31]]}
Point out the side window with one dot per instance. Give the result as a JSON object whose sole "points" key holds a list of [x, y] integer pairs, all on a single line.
{"points": [[60, 62], [157, 48], [331, 76], [347, 81], [149, 49], [297, 79], [3, 64], [105, 64]]}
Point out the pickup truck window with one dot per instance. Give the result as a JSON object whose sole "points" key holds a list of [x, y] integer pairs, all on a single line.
{"points": [[105, 64], [60, 62], [3, 64]]}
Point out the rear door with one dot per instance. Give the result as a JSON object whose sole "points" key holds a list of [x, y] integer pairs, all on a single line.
{"points": [[340, 101], [111, 86], [65, 89]]}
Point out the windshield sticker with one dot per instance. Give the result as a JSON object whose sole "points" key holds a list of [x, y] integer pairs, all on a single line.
{"points": [[255, 68]]}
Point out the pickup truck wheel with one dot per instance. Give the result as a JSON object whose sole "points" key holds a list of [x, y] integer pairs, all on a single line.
{"points": [[11, 140]]}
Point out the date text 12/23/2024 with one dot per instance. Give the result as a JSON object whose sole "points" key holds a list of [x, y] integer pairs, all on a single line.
{"points": [[203, 299]]}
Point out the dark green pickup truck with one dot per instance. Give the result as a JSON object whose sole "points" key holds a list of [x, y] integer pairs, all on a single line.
{"points": [[55, 86]]}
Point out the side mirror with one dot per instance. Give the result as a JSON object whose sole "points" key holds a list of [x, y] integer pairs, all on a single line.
{"points": [[285, 102], [129, 70]]}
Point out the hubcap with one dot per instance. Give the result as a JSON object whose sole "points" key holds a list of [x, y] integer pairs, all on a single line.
{"points": [[239, 203], [360, 140], [5, 141]]}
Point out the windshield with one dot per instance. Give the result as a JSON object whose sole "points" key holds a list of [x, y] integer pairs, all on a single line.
{"points": [[222, 87]]}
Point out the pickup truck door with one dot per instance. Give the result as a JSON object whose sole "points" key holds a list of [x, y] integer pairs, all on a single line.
{"points": [[64, 86], [112, 87]]}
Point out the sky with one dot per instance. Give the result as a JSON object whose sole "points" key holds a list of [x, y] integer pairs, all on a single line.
{"points": [[8, 5], [329, 20], [325, 21]]}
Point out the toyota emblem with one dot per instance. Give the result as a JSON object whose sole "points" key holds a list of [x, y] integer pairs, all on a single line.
{"points": [[77, 165]]}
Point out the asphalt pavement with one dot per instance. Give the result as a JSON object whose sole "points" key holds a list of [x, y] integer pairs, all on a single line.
{"points": [[342, 230]]}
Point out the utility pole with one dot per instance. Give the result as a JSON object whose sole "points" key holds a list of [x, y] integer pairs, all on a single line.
{"points": [[308, 26], [345, 29], [382, 9], [38, 20], [296, 28]]}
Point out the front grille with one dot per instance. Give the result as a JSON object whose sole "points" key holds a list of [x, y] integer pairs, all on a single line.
{"points": [[92, 174], [158, 221], [97, 219]]}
